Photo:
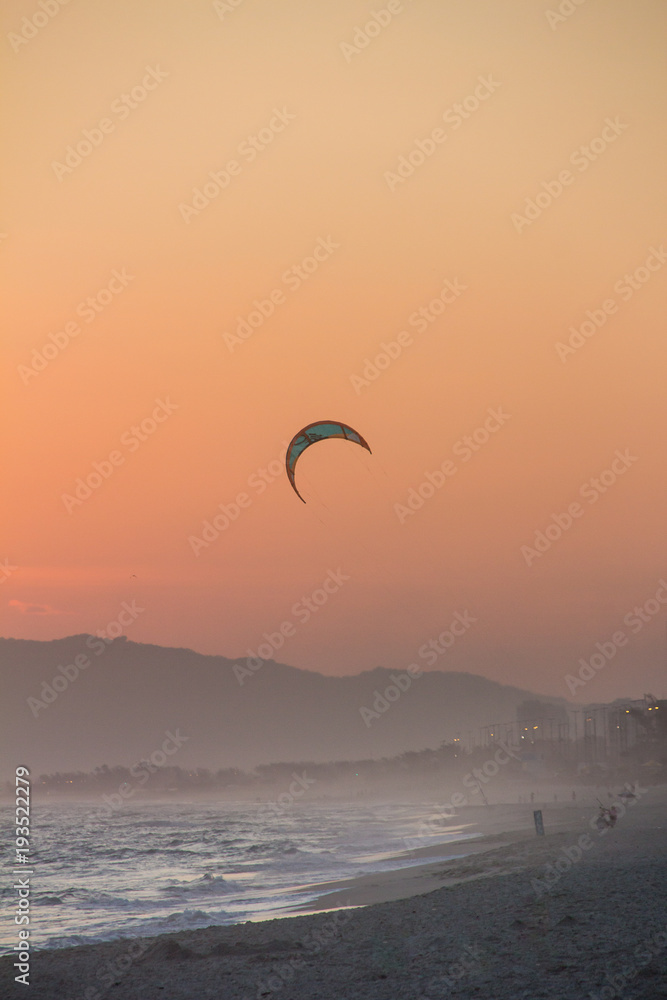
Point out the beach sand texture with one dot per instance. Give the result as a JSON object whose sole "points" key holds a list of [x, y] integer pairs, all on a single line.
{"points": [[475, 927]]}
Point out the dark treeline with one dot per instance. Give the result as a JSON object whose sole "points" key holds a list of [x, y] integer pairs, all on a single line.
{"points": [[154, 778], [534, 745]]}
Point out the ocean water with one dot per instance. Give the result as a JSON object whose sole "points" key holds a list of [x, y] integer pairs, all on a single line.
{"points": [[154, 868]]}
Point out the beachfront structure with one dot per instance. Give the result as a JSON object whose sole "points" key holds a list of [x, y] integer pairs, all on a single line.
{"points": [[590, 735]]}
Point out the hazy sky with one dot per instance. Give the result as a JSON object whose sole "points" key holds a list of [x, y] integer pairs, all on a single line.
{"points": [[500, 160]]}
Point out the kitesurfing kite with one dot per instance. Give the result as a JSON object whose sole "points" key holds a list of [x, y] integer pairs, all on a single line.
{"points": [[317, 431]]}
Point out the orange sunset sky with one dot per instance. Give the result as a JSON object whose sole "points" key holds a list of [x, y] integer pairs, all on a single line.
{"points": [[514, 152]]}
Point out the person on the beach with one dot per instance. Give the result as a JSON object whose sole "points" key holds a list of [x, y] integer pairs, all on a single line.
{"points": [[613, 816], [602, 820]]}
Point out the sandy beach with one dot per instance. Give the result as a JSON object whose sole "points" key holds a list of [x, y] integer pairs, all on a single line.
{"points": [[570, 915]]}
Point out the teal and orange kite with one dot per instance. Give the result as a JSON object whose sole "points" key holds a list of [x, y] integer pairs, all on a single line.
{"points": [[317, 431]]}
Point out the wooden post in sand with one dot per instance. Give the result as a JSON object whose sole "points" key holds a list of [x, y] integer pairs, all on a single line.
{"points": [[539, 825]]}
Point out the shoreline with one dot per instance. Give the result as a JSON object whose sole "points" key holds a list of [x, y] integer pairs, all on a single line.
{"points": [[404, 880], [435, 928]]}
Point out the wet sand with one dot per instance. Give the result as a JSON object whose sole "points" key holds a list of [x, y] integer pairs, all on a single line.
{"points": [[520, 917]]}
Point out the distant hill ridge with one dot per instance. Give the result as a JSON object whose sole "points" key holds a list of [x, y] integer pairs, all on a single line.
{"points": [[69, 703]]}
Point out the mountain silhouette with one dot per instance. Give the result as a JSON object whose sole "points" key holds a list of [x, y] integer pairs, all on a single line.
{"points": [[120, 706]]}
